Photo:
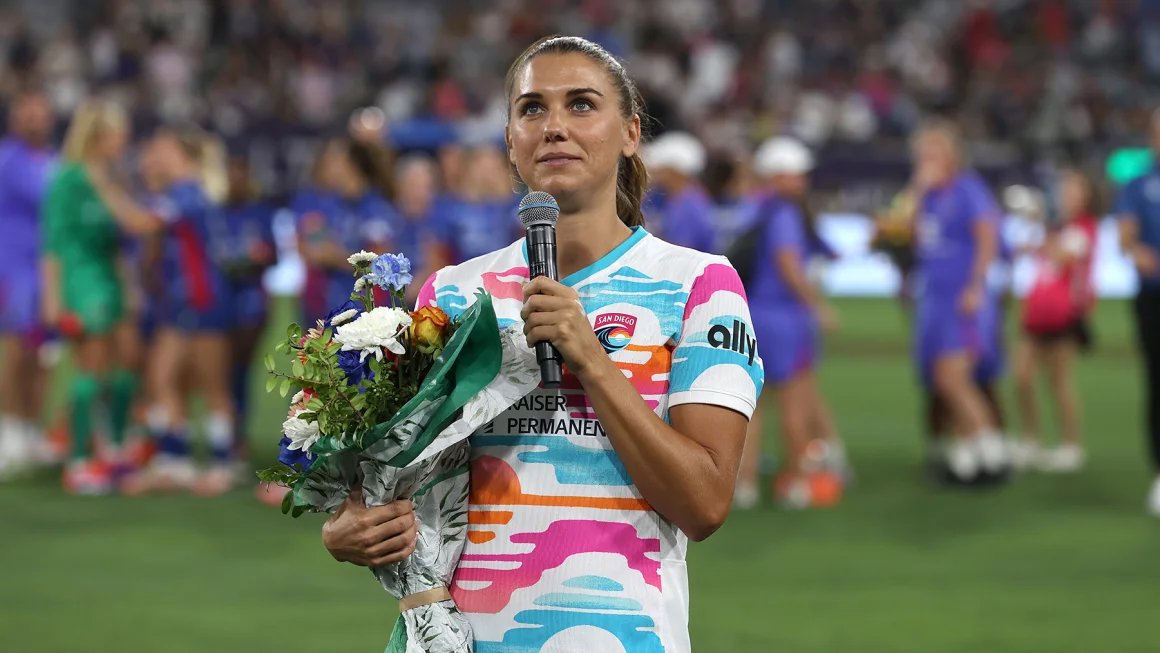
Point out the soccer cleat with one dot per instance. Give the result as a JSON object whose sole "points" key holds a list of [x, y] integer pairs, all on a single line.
{"points": [[1025, 454], [962, 459], [87, 478], [14, 454]]}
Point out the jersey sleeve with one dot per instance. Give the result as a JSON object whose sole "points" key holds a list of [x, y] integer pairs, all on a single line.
{"points": [[981, 203], [426, 294], [786, 231], [716, 361], [26, 181]]}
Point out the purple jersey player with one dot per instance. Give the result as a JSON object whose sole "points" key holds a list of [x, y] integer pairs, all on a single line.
{"points": [[675, 161], [25, 162], [788, 312], [957, 243]]}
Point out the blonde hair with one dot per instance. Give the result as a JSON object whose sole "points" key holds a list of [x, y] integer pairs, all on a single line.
{"points": [[93, 118], [209, 155], [950, 133]]}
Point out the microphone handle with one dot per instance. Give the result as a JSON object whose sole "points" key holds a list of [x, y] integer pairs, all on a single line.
{"points": [[541, 241]]}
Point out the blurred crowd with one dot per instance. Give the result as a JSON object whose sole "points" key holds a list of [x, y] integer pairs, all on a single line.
{"points": [[1042, 73]]}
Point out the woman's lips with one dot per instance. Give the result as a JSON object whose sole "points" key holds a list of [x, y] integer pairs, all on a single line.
{"points": [[558, 159]]}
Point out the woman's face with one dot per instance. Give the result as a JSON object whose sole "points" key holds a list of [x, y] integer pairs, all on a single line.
{"points": [[111, 143], [334, 167], [160, 158], [416, 184], [1073, 195], [934, 158], [793, 186], [565, 134]]}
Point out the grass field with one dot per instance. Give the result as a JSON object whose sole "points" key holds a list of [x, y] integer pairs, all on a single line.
{"points": [[1048, 564]]}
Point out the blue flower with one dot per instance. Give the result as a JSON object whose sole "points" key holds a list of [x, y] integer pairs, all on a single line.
{"points": [[391, 272], [293, 457], [355, 369]]}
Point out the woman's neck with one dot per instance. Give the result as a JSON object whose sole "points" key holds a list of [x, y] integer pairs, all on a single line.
{"points": [[584, 238]]}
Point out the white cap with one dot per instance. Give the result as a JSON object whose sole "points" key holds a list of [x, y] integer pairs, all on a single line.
{"points": [[677, 151], [782, 156]]}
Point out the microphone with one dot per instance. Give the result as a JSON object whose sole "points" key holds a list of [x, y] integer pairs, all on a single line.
{"points": [[538, 213]]}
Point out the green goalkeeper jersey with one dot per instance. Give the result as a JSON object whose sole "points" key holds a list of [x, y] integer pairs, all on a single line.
{"points": [[84, 237]]}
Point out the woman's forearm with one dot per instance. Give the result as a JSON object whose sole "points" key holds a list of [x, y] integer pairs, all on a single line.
{"points": [[131, 216], [790, 269], [678, 477]]}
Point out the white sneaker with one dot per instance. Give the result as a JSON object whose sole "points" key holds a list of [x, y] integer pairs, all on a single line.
{"points": [[1063, 459], [745, 497], [13, 453], [36, 446], [1024, 453], [1154, 499], [992, 451], [962, 459]]}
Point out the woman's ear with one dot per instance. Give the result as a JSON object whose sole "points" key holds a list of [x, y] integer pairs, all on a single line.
{"points": [[507, 139], [631, 136]]}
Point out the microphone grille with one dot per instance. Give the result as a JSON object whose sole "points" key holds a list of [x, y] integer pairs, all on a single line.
{"points": [[538, 207]]}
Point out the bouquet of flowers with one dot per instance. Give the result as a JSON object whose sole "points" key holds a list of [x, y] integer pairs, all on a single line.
{"points": [[385, 400]]}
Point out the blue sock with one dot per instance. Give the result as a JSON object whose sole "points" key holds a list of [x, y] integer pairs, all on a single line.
{"points": [[174, 442]]}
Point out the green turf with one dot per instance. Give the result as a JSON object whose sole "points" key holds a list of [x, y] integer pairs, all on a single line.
{"points": [[1049, 564]]}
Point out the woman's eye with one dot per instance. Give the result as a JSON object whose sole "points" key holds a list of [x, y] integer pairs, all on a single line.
{"points": [[582, 105], [531, 109]]}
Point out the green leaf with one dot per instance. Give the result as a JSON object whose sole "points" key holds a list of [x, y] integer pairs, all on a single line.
{"points": [[285, 389], [326, 335], [270, 383], [269, 362], [323, 422], [293, 331], [315, 404], [297, 368], [297, 511], [287, 502]]}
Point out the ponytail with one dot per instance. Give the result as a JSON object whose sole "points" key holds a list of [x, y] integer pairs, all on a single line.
{"points": [[631, 184]]}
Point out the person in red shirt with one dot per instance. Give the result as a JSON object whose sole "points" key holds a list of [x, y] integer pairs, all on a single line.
{"points": [[1055, 324]]}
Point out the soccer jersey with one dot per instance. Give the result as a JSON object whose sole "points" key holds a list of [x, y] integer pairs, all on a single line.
{"points": [[946, 238], [563, 552]]}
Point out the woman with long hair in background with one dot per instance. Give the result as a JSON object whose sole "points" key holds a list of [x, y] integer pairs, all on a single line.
{"points": [[347, 210], [421, 230], [1055, 325], [482, 218], [788, 312], [84, 294], [248, 252], [192, 338]]}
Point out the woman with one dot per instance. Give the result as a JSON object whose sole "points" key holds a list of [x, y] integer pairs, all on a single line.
{"points": [[788, 311], [422, 233], [26, 162], [345, 213], [483, 218], [612, 511], [676, 161], [84, 292], [957, 242], [191, 350], [250, 252], [1055, 325]]}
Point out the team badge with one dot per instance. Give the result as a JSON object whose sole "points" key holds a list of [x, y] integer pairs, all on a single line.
{"points": [[614, 330]]}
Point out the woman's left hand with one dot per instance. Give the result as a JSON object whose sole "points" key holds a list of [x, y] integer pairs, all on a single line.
{"points": [[553, 313]]}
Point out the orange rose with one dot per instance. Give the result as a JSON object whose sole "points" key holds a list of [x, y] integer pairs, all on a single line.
{"points": [[427, 328]]}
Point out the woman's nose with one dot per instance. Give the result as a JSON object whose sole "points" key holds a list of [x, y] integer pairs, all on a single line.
{"points": [[555, 127]]}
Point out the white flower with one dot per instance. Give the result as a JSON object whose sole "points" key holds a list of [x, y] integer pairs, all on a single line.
{"points": [[361, 257], [344, 317], [302, 434], [373, 331], [297, 398], [362, 283]]}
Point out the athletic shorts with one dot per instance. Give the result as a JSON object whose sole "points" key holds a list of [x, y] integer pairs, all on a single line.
{"points": [[942, 330], [1079, 330], [189, 319], [98, 306], [19, 302], [992, 362], [787, 341], [249, 306]]}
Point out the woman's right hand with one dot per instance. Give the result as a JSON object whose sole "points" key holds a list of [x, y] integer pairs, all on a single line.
{"points": [[827, 317], [371, 537]]}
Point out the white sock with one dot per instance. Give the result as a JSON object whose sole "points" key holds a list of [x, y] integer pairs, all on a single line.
{"points": [[219, 431], [992, 450]]}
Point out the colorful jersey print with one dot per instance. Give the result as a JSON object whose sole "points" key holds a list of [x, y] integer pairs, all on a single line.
{"points": [[563, 552]]}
